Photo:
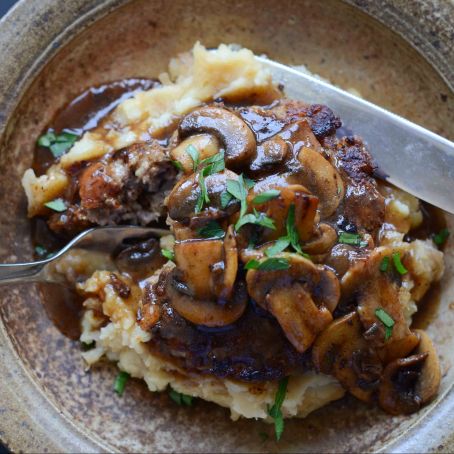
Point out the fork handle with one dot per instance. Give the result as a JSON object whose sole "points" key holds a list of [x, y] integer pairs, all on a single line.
{"points": [[22, 272]]}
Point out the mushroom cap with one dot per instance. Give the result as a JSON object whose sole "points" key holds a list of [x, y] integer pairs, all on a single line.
{"points": [[341, 350], [236, 137], [206, 144], [321, 282], [411, 382], [182, 201], [206, 312]]}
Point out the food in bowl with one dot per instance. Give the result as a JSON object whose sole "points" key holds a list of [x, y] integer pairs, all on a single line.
{"points": [[291, 271]]}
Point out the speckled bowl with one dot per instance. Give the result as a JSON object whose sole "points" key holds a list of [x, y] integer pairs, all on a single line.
{"points": [[397, 54]]}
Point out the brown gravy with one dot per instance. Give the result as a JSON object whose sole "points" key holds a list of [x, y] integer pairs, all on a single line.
{"points": [[85, 112]]}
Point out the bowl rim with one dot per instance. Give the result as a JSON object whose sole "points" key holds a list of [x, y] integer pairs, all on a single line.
{"points": [[54, 431]]}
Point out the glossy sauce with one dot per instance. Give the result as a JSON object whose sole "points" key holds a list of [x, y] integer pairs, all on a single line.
{"points": [[63, 305]]}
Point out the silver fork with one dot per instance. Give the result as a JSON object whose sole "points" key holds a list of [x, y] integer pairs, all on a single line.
{"points": [[102, 239]]}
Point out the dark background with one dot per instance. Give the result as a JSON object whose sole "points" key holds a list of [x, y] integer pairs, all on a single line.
{"points": [[5, 5]]}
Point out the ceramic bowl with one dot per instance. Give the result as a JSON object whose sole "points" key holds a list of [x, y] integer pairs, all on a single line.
{"points": [[397, 54]]}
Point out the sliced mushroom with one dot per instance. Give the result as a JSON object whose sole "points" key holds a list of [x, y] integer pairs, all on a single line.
{"points": [[277, 209], [224, 287], [206, 144], [206, 312], [325, 238], [409, 383], [195, 260], [301, 297], [340, 350], [182, 201], [374, 289], [270, 153], [233, 133], [322, 180]]}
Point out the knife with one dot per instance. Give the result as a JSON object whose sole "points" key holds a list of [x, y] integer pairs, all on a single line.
{"points": [[407, 155]]}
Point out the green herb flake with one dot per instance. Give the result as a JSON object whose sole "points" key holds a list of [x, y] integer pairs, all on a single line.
{"points": [[168, 254], [270, 264], [120, 382], [180, 398], [292, 233], [178, 165], [275, 411], [280, 245], [387, 320], [58, 144], [213, 164], [203, 196], [266, 196], [249, 183], [86, 346], [40, 251], [211, 230], [353, 239], [194, 154], [400, 268], [225, 199], [56, 205], [441, 237], [384, 264], [257, 219]]}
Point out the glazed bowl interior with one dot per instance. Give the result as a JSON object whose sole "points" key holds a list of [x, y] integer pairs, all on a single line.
{"points": [[63, 406]]}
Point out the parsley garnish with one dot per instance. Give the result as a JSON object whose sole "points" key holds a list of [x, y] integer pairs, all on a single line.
{"points": [[387, 321], [211, 230], [270, 264], [280, 245], [120, 382], [238, 190], [57, 143], [88, 346], [194, 153], [384, 264], [178, 165], [441, 237], [168, 254], [41, 251], [213, 164], [180, 398], [256, 219], [225, 199], [249, 183], [275, 411], [56, 205], [351, 238], [400, 268], [265, 196]]}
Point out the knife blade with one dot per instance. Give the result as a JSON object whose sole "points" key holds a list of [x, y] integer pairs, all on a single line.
{"points": [[408, 155]]}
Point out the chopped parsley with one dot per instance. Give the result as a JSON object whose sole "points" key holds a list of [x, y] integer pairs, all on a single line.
{"points": [[203, 196], [168, 254], [58, 144], [226, 197], [280, 245], [180, 398], [387, 320], [257, 219], [266, 196], [249, 183], [400, 268], [291, 239], [211, 230], [177, 164], [441, 237], [351, 238], [56, 205], [41, 251], [120, 382], [270, 264], [275, 411], [195, 156], [384, 264]]}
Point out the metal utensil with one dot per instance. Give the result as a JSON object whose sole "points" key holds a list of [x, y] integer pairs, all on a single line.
{"points": [[412, 158], [101, 239]]}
